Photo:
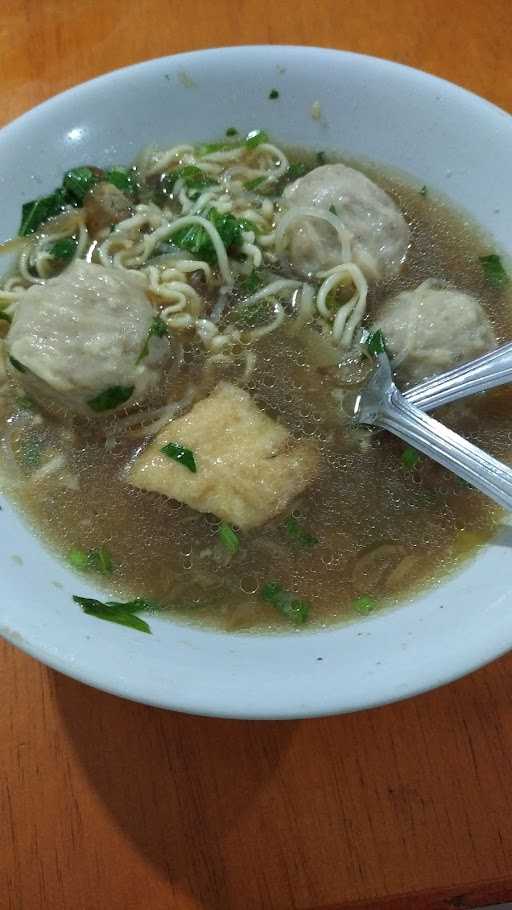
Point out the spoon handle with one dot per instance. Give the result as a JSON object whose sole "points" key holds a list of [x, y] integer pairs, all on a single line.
{"points": [[485, 372], [441, 444]]}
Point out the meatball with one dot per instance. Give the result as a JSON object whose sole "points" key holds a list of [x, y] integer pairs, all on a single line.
{"points": [[104, 206], [82, 335], [433, 328], [380, 233]]}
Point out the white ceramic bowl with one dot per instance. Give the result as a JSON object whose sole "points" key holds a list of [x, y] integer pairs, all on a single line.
{"points": [[441, 135]]}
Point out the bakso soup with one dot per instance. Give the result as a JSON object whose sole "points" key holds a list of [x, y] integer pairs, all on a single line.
{"points": [[178, 340]]}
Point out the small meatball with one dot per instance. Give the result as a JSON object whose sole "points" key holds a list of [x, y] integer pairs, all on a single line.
{"points": [[105, 205], [249, 468], [80, 335], [433, 328], [380, 232]]}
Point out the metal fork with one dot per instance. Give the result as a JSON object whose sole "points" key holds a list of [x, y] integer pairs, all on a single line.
{"points": [[381, 404]]}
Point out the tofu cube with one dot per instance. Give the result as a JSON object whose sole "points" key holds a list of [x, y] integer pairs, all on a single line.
{"points": [[249, 467]]}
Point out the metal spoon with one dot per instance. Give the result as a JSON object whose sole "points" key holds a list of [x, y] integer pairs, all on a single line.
{"points": [[485, 372], [381, 404]]}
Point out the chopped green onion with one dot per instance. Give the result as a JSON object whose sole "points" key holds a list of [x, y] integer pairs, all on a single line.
{"points": [[121, 613], [229, 228], [296, 170], [36, 212], [228, 538], [291, 606], [157, 329], [255, 138], [252, 185], [4, 315], [123, 178], [250, 283], [364, 604], [78, 181], [110, 398], [410, 457], [299, 534], [180, 454], [64, 249], [424, 190], [332, 209], [100, 560], [78, 558], [17, 365], [320, 158], [31, 452], [246, 225], [273, 94], [250, 315], [23, 401], [494, 271], [210, 148], [376, 343], [231, 131], [196, 240]]}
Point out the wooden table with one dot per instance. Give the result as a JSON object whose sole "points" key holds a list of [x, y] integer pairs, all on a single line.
{"points": [[107, 804]]}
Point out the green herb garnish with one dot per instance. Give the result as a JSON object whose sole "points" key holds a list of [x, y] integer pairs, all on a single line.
{"points": [[196, 240], [17, 365], [26, 403], [113, 611], [410, 457], [228, 538], [31, 452], [291, 606], [296, 170], [231, 131], [123, 178], [210, 147], [180, 454], [78, 558], [78, 181], [111, 398], [494, 271], [255, 138], [99, 560], [252, 185], [273, 94], [376, 343], [35, 213], [157, 329], [191, 175], [424, 190], [320, 158], [5, 316], [63, 250], [250, 283], [229, 228], [332, 209], [299, 534], [364, 604]]}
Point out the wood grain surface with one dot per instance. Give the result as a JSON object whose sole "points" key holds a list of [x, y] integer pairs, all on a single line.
{"points": [[107, 804]]}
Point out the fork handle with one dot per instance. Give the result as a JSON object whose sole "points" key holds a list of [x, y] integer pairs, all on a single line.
{"points": [[485, 372], [448, 448]]}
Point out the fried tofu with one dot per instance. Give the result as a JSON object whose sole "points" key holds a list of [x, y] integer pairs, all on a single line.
{"points": [[249, 467]]}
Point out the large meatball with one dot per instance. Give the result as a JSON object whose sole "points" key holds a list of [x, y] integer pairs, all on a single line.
{"points": [[81, 335], [380, 232], [433, 328]]}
